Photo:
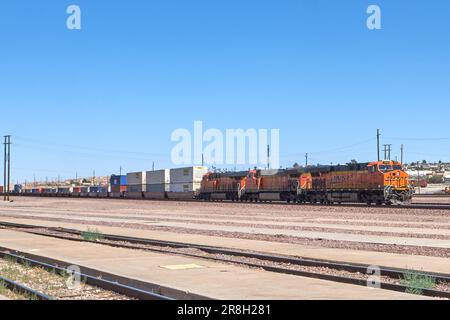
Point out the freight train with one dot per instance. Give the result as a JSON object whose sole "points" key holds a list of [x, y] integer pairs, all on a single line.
{"points": [[381, 182]]}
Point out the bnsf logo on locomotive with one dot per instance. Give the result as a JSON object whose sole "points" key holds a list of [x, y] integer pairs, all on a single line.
{"points": [[340, 179]]}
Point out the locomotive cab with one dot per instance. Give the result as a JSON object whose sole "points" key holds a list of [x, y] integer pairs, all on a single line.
{"points": [[395, 180]]}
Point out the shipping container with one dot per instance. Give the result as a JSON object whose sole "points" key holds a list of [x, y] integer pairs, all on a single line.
{"points": [[136, 181], [118, 180], [158, 180], [187, 175], [65, 190], [161, 187], [76, 189], [1, 189], [158, 176], [118, 189], [185, 187], [97, 189]]}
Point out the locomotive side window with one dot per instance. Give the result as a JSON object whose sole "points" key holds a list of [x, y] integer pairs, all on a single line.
{"points": [[384, 168]]}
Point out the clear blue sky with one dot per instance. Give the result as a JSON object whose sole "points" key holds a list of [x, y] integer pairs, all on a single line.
{"points": [[74, 100]]}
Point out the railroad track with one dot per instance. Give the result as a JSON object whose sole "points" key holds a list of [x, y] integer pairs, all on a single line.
{"points": [[342, 272], [90, 277], [121, 285], [424, 205], [23, 290]]}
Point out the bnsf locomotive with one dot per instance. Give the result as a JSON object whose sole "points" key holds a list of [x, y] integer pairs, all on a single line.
{"points": [[383, 182]]}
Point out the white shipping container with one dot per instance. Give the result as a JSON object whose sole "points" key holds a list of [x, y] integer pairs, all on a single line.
{"points": [[158, 176], [185, 187], [136, 181], [187, 175]]}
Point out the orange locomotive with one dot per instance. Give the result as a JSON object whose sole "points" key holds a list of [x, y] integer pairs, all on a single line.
{"points": [[222, 186], [376, 182]]}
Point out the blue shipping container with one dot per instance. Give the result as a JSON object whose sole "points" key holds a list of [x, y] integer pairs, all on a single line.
{"points": [[118, 180]]}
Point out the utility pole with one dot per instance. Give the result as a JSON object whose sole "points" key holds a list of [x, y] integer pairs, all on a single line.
{"points": [[378, 144], [7, 168], [268, 157], [93, 178], [4, 171], [120, 171], [9, 164], [387, 151], [401, 154], [153, 164], [306, 160]]}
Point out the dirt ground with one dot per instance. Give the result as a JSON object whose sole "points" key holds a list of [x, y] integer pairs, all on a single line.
{"points": [[394, 230]]}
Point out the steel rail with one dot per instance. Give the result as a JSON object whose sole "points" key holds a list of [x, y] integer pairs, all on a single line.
{"points": [[335, 265], [425, 206], [23, 290], [100, 279]]}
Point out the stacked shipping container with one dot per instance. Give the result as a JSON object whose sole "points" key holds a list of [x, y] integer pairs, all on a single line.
{"points": [[118, 183], [158, 181], [186, 179], [136, 181]]}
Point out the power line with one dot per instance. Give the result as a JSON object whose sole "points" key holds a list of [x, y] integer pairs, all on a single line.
{"points": [[339, 149], [59, 145], [419, 139]]}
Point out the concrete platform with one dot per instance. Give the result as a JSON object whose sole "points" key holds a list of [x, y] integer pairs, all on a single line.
{"points": [[2, 298], [215, 280]]}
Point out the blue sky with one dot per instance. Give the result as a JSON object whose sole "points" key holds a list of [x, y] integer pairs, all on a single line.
{"points": [[112, 93]]}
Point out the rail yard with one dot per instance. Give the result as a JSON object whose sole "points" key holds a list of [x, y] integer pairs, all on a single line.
{"points": [[173, 249]]}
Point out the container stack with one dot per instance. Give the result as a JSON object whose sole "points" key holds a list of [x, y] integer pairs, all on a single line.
{"points": [[136, 181], [118, 183], [186, 180], [158, 181]]}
